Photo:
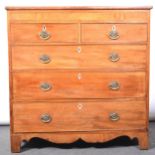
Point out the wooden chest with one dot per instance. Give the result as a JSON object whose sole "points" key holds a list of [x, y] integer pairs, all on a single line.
{"points": [[79, 73]]}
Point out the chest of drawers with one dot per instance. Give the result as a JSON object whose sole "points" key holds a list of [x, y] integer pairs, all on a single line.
{"points": [[78, 73]]}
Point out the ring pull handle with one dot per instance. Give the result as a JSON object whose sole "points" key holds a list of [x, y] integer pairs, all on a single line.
{"points": [[114, 116], [46, 118], [44, 35], [45, 59], [114, 85], [45, 86], [114, 57], [113, 34]]}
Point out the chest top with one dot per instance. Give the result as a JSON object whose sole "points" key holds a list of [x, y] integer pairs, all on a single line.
{"points": [[108, 14]]}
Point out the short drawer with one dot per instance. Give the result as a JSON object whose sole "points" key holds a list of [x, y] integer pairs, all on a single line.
{"points": [[79, 116], [114, 33], [74, 84], [40, 33], [107, 57]]}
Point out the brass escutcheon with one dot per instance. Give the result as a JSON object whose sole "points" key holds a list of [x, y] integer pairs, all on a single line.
{"points": [[114, 57], [45, 59], [44, 35], [113, 34], [46, 118], [114, 116], [45, 86], [114, 85]]}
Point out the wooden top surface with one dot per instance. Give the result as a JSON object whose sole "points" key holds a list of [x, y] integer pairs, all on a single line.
{"points": [[79, 8]]}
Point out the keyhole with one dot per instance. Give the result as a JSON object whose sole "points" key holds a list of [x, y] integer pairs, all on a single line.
{"points": [[79, 49], [80, 106], [79, 76]]}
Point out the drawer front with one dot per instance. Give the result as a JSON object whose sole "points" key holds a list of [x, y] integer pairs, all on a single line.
{"points": [[106, 57], [74, 84], [79, 116], [49, 33], [115, 16], [114, 33]]}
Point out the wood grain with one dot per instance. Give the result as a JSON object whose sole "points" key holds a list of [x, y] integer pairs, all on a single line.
{"points": [[68, 85], [98, 33], [79, 116], [29, 33], [93, 137], [89, 57], [58, 16], [15, 143]]}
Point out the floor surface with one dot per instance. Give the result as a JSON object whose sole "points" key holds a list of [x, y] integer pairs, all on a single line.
{"points": [[119, 146]]}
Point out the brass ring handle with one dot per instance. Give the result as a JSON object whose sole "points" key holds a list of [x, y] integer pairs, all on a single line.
{"points": [[114, 57], [44, 35], [45, 86], [113, 34], [46, 118], [114, 116], [114, 85], [45, 59]]}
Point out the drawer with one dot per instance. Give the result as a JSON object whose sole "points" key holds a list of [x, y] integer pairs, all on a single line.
{"points": [[114, 33], [79, 116], [74, 84], [87, 15], [107, 57], [49, 33]]}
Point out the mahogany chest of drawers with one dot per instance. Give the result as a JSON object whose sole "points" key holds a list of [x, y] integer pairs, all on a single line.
{"points": [[78, 73]]}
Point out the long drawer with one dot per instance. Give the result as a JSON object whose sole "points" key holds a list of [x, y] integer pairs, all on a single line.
{"points": [[79, 116], [114, 33], [74, 84], [116, 57], [40, 33]]}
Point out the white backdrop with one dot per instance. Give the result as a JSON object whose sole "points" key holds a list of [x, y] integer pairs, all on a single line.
{"points": [[4, 86]]}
